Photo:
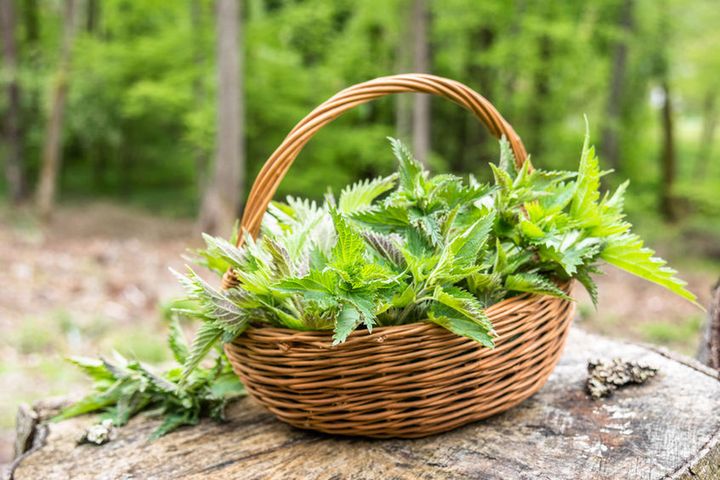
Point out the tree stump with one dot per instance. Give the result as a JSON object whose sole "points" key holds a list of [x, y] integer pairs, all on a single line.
{"points": [[668, 427]]}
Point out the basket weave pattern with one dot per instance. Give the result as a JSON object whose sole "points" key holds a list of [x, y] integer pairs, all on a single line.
{"points": [[403, 381], [400, 381]]}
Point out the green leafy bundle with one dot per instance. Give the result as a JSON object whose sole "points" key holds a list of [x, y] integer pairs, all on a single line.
{"points": [[124, 388], [413, 247], [405, 248]]}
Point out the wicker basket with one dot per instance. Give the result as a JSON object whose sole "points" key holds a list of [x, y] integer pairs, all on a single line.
{"points": [[401, 381]]}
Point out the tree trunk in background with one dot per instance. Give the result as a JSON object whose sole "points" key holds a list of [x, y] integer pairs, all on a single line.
{"points": [[421, 64], [31, 113], [92, 14], [474, 138], [31, 21], [610, 135], [12, 132], [707, 137], [201, 158], [541, 81], [404, 64], [52, 150], [223, 192], [412, 118], [667, 155]]}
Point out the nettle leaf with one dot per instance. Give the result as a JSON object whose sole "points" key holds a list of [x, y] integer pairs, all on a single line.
{"points": [[94, 368], [176, 341], [281, 261], [347, 321], [460, 325], [466, 246], [382, 217], [583, 275], [587, 191], [427, 224], [507, 157], [92, 402], [350, 246], [628, 253], [205, 339], [502, 178], [533, 283], [410, 171], [173, 422], [219, 247], [360, 195], [531, 230], [324, 281], [157, 381], [501, 263], [387, 246], [464, 303], [213, 303]]}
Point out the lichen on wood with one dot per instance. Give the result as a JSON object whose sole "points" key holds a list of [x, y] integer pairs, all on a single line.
{"points": [[604, 377]]}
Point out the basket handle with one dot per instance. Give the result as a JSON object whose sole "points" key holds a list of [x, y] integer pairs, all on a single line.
{"points": [[282, 158]]}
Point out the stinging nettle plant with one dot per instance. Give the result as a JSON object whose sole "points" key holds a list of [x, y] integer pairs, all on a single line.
{"points": [[404, 248], [411, 247]]}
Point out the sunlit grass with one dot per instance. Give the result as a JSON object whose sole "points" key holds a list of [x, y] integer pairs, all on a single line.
{"points": [[681, 336]]}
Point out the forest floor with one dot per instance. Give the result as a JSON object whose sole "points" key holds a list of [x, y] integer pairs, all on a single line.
{"points": [[96, 279]]}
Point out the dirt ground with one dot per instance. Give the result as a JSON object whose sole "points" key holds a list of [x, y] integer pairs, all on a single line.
{"points": [[96, 277]]}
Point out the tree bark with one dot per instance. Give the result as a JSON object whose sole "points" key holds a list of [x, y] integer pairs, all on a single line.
{"points": [[610, 141], [404, 64], [201, 157], [31, 22], [52, 150], [667, 155], [421, 64], [412, 118], [12, 131], [222, 194], [92, 15], [707, 138], [709, 351]]}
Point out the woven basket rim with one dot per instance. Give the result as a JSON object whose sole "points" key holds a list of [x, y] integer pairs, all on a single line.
{"points": [[419, 326]]}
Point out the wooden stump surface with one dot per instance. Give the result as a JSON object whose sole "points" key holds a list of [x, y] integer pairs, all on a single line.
{"points": [[667, 428]]}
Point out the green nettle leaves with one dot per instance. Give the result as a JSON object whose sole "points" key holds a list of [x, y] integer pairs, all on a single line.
{"points": [[405, 248], [412, 247], [124, 388]]}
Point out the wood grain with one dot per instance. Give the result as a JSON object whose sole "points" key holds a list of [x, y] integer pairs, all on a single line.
{"points": [[667, 428]]}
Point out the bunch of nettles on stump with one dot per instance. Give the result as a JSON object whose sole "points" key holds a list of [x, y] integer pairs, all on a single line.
{"points": [[399, 249]]}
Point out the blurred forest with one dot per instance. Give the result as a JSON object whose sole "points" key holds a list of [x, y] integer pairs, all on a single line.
{"points": [[119, 99], [127, 125]]}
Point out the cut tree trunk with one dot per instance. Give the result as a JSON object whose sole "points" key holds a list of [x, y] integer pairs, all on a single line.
{"points": [[12, 132], [665, 428], [221, 201], [52, 150]]}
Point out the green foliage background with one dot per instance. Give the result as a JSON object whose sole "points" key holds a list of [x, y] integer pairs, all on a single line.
{"points": [[141, 116]]}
